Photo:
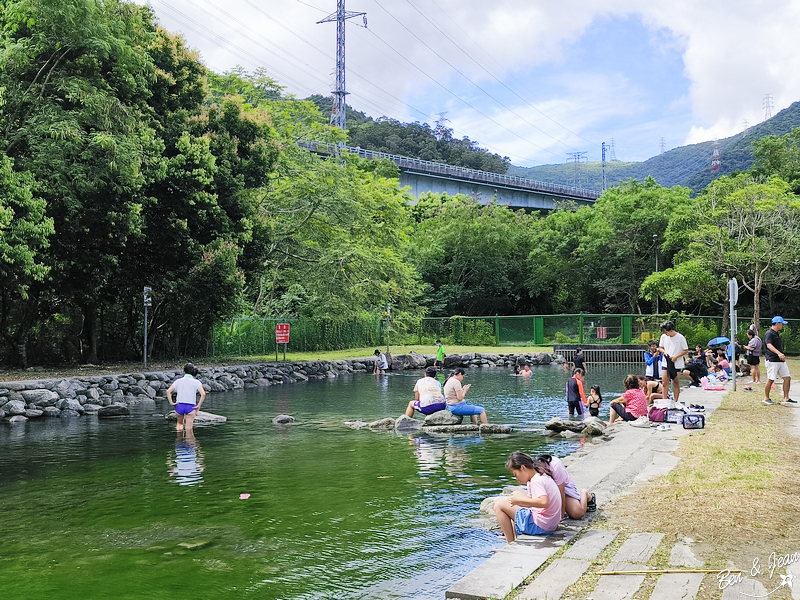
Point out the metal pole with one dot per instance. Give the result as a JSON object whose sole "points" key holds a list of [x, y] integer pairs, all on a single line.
{"points": [[655, 242], [733, 297], [145, 336]]}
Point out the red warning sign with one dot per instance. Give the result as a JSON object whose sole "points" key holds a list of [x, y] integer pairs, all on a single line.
{"points": [[282, 333]]}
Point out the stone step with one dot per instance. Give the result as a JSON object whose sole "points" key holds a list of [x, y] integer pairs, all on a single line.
{"points": [[747, 587], [618, 587], [591, 544], [557, 577], [677, 586], [638, 548]]}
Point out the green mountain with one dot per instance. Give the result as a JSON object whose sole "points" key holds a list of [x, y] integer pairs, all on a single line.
{"points": [[689, 166]]}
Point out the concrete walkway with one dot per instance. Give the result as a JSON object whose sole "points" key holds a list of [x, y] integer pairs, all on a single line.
{"points": [[608, 469]]}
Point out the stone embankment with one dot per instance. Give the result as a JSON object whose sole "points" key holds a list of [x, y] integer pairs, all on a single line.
{"points": [[110, 395]]}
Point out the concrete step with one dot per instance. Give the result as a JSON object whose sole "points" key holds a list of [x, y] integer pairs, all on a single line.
{"points": [[677, 586], [638, 548], [618, 587], [557, 577], [591, 544]]}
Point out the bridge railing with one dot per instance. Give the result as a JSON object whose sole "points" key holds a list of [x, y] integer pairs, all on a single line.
{"points": [[427, 166]]}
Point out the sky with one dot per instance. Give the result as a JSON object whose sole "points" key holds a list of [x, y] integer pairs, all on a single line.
{"points": [[533, 80]]}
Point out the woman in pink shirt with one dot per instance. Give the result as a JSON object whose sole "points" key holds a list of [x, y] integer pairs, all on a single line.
{"points": [[631, 405], [536, 513]]}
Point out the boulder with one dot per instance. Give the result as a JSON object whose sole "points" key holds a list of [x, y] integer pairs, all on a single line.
{"points": [[402, 362], [262, 382], [463, 428], [356, 424], [593, 426], [443, 417], [200, 418], [50, 411], [405, 423], [34, 413], [386, 424], [69, 404], [283, 419], [570, 435], [115, 410], [90, 408], [68, 414], [559, 424], [417, 360], [451, 361], [467, 356], [40, 397], [16, 419], [14, 408], [65, 388]]}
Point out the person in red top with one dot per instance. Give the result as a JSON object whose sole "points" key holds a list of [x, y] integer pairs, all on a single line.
{"points": [[631, 405]]}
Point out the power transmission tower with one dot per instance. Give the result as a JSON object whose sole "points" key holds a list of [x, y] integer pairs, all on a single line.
{"points": [[663, 146], [745, 124], [441, 131], [604, 165], [767, 104], [338, 115], [716, 163], [577, 157], [613, 156]]}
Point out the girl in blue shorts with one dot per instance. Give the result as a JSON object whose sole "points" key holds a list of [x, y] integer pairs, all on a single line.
{"points": [[537, 512]]}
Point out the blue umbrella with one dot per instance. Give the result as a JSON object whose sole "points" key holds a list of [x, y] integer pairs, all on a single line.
{"points": [[719, 340]]}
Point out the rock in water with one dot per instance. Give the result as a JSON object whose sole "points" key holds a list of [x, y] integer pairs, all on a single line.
{"points": [[200, 418], [491, 428], [593, 426], [356, 424], [283, 419], [115, 410], [405, 423], [386, 424], [443, 417], [561, 424]]}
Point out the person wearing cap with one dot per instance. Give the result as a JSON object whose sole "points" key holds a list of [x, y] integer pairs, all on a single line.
{"points": [[776, 361], [186, 404]]}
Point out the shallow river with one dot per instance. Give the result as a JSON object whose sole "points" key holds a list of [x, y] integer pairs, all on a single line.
{"points": [[125, 509]]}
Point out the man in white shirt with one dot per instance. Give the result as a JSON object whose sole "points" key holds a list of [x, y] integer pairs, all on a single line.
{"points": [[673, 348], [428, 395]]}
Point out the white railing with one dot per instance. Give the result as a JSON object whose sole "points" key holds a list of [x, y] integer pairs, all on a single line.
{"points": [[427, 166]]}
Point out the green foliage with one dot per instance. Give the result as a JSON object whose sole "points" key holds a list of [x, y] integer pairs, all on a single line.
{"points": [[779, 156]]}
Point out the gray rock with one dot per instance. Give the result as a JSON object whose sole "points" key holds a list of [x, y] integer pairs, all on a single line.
{"points": [[16, 419], [65, 389], [69, 404], [115, 410], [467, 356], [200, 418], [492, 428], [593, 426], [213, 385], [68, 414], [15, 386], [463, 428], [405, 423], [443, 417], [3, 400], [299, 375], [260, 382], [569, 435], [40, 397], [452, 361], [50, 411], [386, 424], [110, 387], [90, 408], [283, 419], [418, 360], [355, 424], [14, 408], [560, 424], [33, 413], [136, 390]]}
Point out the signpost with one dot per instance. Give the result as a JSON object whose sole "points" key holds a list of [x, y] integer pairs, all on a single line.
{"points": [[281, 337], [148, 301], [733, 297]]}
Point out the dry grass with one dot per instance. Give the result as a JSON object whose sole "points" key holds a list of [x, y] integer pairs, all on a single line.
{"points": [[735, 490]]}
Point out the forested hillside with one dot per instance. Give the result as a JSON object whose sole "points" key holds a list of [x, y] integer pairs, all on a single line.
{"points": [[689, 166]]}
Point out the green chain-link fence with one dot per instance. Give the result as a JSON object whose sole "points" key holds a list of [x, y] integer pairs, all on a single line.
{"points": [[245, 336]]}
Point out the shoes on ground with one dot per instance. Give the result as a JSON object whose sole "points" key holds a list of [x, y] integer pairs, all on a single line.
{"points": [[591, 505], [769, 402], [789, 401]]}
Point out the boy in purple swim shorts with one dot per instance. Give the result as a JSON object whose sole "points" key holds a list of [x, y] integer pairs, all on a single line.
{"points": [[186, 405], [428, 396]]}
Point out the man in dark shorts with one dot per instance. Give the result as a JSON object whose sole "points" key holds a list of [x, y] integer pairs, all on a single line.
{"points": [[576, 397], [753, 350], [579, 362], [776, 361]]}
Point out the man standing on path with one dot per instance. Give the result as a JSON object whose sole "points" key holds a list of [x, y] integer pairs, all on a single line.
{"points": [[439, 362], [673, 348], [578, 361], [776, 361], [753, 354]]}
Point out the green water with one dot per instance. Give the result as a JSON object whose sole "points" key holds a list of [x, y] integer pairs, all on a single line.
{"points": [[126, 509]]}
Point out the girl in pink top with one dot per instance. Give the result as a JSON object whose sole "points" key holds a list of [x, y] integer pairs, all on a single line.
{"points": [[574, 503], [536, 513], [631, 405]]}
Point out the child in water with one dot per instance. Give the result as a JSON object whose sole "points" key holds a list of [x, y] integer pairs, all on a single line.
{"points": [[537, 512], [595, 400]]}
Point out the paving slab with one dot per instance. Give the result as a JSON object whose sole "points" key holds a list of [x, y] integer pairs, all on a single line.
{"points": [[638, 548], [677, 586], [618, 587], [501, 573], [591, 544], [740, 591], [557, 577], [681, 555]]}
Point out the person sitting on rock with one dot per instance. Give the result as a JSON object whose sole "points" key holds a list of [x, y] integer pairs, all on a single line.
{"points": [[428, 395], [631, 405], [454, 395], [537, 512], [573, 503]]}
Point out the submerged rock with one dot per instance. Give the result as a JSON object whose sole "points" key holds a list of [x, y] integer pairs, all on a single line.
{"points": [[465, 428], [201, 417], [283, 420], [386, 424], [115, 410], [356, 424], [68, 413], [405, 423], [492, 428], [560, 424]]}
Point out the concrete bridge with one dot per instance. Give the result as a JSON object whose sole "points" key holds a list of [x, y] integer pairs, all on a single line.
{"points": [[427, 176]]}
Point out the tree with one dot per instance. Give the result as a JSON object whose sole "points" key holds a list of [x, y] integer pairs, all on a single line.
{"points": [[779, 156]]}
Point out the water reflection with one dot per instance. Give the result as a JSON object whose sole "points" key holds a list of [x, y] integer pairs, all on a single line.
{"points": [[449, 453], [186, 463]]}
